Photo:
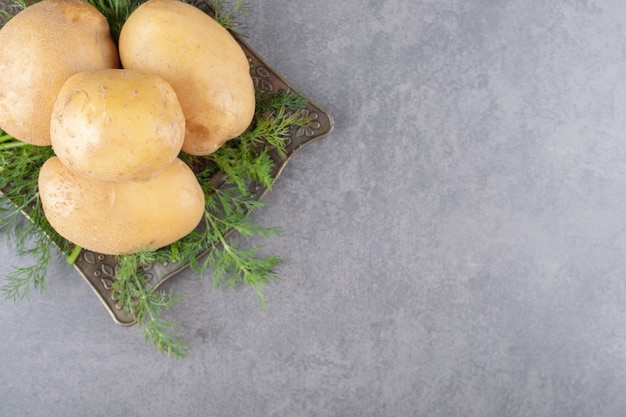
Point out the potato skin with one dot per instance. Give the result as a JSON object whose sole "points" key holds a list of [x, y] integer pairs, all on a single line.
{"points": [[118, 125], [201, 60], [120, 217], [42, 46]]}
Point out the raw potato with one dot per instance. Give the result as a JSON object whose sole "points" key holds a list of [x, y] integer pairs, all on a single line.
{"points": [[119, 217], [201, 60], [42, 46], [115, 124]]}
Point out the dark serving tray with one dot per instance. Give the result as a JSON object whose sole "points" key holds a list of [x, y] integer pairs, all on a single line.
{"points": [[99, 270]]}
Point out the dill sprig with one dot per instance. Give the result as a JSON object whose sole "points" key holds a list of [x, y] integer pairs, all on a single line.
{"points": [[131, 290], [239, 165], [228, 211], [27, 242], [19, 170], [232, 264]]}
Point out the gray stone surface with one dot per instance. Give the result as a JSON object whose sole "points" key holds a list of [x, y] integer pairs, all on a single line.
{"points": [[454, 248]]}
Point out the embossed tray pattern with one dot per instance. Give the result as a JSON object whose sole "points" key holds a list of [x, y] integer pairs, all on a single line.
{"points": [[99, 271]]}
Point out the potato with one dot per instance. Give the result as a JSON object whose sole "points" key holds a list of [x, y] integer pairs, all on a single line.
{"points": [[115, 124], [201, 60], [42, 46], [121, 217]]}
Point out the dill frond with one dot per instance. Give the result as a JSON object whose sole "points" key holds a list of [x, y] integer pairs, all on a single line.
{"points": [[146, 305]]}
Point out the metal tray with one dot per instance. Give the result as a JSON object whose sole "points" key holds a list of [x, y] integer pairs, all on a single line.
{"points": [[99, 270]]}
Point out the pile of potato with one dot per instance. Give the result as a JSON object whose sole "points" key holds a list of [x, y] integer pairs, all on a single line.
{"points": [[118, 116]]}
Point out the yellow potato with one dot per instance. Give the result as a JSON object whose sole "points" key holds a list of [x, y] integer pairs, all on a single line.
{"points": [[201, 60], [116, 124], [42, 46], [121, 217]]}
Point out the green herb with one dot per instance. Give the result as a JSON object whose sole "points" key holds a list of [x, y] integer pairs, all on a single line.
{"points": [[248, 157], [130, 288], [232, 264], [19, 169], [242, 165]]}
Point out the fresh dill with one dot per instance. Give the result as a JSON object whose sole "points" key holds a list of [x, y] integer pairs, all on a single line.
{"points": [[19, 169], [248, 157], [131, 290], [241, 163]]}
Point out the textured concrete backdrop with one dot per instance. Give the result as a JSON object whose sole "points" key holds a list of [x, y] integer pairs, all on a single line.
{"points": [[454, 248]]}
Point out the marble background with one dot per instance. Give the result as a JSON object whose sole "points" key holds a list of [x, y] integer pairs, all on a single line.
{"points": [[454, 248]]}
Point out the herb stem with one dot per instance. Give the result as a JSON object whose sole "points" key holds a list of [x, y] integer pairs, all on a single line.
{"points": [[12, 144], [71, 258]]}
